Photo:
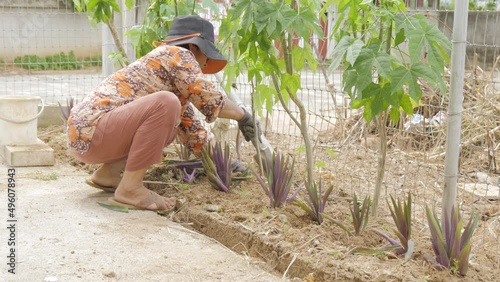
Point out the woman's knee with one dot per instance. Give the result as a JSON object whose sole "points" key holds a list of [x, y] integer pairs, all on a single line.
{"points": [[167, 100], [168, 105]]}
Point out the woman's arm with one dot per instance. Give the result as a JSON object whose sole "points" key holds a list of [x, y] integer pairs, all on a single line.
{"points": [[231, 111]]}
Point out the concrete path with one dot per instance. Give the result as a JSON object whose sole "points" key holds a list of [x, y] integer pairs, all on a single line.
{"points": [[61, 234]]}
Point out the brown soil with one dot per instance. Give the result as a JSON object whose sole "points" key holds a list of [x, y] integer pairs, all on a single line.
{"points": [[288, 241]]}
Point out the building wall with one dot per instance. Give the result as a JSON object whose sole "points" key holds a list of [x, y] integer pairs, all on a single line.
{"points": [[483, 35], [46, 31]]}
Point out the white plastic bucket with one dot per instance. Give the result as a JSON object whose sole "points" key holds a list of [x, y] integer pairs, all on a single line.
{"points": [[18, 119]]}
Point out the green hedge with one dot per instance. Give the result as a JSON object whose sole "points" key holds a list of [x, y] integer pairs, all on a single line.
{"points": [[56, 62]]}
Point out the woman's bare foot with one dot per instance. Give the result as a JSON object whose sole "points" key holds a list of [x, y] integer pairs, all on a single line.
{"points": [[144, 198], [105, 180], [131, 191], [109, 175]]}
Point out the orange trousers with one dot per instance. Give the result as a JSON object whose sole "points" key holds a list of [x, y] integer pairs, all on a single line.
{"points": [[137, 131]]}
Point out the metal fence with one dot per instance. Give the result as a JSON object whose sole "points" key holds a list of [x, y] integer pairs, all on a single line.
{"points": [[33, 35]]}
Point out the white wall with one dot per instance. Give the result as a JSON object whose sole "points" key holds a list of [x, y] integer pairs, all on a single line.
{"points": [[48, 31]]}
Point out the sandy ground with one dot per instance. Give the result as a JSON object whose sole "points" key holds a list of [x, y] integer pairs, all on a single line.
{"points": [[61, 234]]}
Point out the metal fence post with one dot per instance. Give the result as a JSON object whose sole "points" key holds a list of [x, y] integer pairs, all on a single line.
{"points": [[455, 108]]}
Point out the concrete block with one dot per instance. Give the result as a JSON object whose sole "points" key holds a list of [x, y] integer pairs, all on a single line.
{"points": [[39, 154]]}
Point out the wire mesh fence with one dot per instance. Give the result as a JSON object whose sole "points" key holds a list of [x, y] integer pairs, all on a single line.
{"points": [[47, 50], [50, 50]]}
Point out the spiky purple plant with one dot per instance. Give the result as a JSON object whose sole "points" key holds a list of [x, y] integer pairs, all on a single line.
{"points": [[401, 215], [219, 167], [315, 205], [188, 168], [217, 164], [451, 246], [188, 177], [360, 215], [279, 180]]}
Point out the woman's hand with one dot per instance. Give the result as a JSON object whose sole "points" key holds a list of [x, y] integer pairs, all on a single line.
{"points": [[246, 126]]}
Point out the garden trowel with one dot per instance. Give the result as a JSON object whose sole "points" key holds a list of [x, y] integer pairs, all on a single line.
{"points": [[261, 144]]}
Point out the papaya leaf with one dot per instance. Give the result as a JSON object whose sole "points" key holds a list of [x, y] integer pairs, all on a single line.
{"points": [[348, 47], [291, 82]]}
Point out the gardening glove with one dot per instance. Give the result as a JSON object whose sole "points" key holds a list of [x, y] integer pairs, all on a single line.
{"points": [[247, 127], [237, 166]]}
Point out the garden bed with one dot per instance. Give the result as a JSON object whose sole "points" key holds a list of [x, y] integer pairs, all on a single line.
{"points": [[288, 241]]}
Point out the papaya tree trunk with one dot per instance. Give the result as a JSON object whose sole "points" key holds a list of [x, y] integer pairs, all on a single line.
{"points": [[116, 38], [382, 129], [287, 45]]}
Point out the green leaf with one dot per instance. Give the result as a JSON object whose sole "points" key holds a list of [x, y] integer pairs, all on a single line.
{"points": [[400, 37], [353, 51], [264, 95], [280, 15], [427, 35], [325, 6], [129, 4], [421, 70], [439, 245], [310, 57], [102, 10], [406, 104], [290, 82], [299, 57], [79, 5], [378, 105], [307, 23], [167, 12], [469, 229], [330, 152], [117, 59], [263, 20], [135, 33], [350, 83], [243, 11], [463, 260], [402, 76], [375, 99], [210, 5], [356, 104], [348, 47], [320, 164], [368, 59]]}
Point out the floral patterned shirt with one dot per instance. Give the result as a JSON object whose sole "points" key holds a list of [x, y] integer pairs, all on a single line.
{"points": [[169, 68]]}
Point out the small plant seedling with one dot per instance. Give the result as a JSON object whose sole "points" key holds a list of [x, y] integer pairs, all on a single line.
{"points": [[359, 215], [451, 245], [219, 167], [316, 203], [401, 214], [279, 173]]}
